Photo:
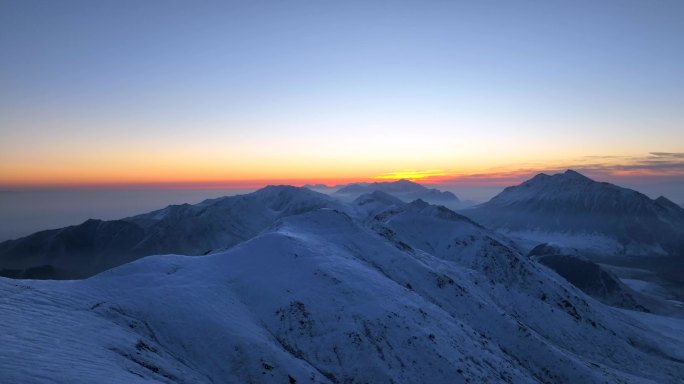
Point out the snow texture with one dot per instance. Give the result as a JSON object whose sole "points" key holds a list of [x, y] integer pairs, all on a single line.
{"points": [[330, 293]]}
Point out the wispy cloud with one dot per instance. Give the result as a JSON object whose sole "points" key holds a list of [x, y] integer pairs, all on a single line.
{"points": [[656, 166], [676, 155]]}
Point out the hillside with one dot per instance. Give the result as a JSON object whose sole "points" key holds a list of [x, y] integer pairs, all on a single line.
{"points": [[318, 297]]}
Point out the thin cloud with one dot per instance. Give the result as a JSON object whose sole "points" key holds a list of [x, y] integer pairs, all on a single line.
{"points": [[655, 165], [676, 155]]}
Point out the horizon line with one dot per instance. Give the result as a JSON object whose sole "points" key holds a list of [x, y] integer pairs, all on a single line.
{"points": [[432, 178]]}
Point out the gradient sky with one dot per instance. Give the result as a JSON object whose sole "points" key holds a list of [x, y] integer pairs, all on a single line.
{"points": [[214, 93]]}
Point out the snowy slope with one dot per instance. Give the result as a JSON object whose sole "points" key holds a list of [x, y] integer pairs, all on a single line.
{"points": [[575, 211], [318, 297], [96, 245], [370, 204]]}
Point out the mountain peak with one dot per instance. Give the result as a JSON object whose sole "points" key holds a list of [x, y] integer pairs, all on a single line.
{"points": [[663, 200], [279, 188], [404, 182], [541, 176], [538, 178], [669, 205], [574, 205], [399, 184], [570, 174], [569, 187], [419, 203], [405, 190]]}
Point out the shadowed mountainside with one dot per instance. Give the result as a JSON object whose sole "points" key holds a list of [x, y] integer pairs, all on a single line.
{"points": [[575, 211]]}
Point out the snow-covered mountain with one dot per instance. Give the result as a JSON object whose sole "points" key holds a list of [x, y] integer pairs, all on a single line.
{"points": [[414, 293], [575, 211], [404, 190], [322, 188], [370, 204], [96, 245]]}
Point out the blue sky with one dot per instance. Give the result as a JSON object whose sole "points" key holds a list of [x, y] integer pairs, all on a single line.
{"points": [[131, 91]]}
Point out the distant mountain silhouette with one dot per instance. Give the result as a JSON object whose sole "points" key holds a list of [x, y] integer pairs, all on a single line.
{"points": [[570, 207], [404, 190]]}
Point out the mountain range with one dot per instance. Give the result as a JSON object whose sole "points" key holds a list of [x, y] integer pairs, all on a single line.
{"points": [[404, 190], [290, 285], [95, 245], [331, 292], [575, 211]]}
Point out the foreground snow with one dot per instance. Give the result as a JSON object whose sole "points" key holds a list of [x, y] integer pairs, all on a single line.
{"points": [[320, 297]]}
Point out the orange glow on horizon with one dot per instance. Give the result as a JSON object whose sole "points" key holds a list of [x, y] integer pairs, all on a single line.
{"points": [[215, 173], [496, 177], [411, 174]]}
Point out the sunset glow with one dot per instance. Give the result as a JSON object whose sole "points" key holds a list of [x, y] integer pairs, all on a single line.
{"points": [[245, 97], [187, 175], [411, 174]]}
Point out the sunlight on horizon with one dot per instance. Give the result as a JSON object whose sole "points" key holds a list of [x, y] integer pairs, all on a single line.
{"points": [[250, 95]]}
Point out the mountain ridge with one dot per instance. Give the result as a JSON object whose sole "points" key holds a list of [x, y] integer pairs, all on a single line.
{"points": [[405, 190], [318, 297], [570, 203], [95, 245]]}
